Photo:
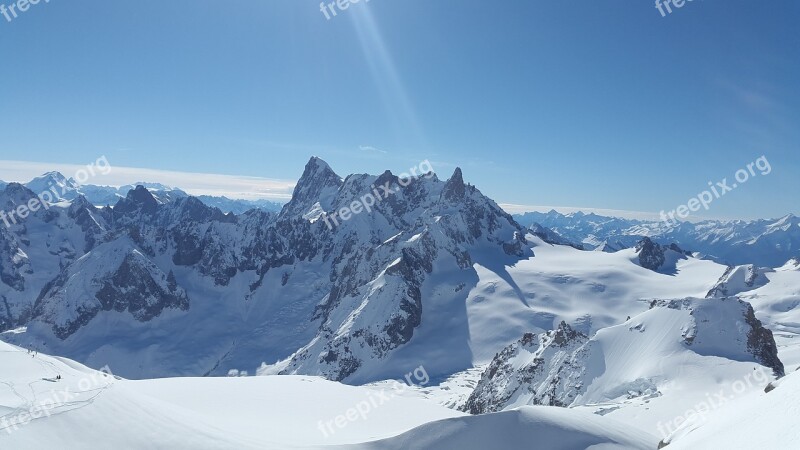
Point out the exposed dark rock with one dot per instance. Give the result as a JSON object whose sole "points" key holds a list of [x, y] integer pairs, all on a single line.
{"points": [[651, 255], [537, 366], [761, 344]]}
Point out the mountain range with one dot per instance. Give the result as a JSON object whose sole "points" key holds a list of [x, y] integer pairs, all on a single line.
{"points": [[68, 189], [764, 242], [615, 321]]}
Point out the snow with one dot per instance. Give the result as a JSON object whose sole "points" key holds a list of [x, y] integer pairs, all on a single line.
{"points": [[645, 375], [276, 412], [528, 427], [280, 412], [759, 420], [640, 374], [777, 304]]}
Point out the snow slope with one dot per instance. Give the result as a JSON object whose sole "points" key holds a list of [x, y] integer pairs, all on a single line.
{"points": [[763, 420], [537, 427], [87, 409], [644, 372], [90, 409]]}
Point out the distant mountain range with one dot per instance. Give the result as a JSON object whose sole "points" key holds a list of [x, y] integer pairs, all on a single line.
{"points": [[768, 243], [68, 189]]}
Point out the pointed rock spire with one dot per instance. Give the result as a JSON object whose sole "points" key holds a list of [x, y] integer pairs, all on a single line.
{"points": [[455, 189]]}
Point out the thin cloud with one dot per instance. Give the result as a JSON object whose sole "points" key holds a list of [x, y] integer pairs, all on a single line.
{"points": [[369, 148], [231, 186]]}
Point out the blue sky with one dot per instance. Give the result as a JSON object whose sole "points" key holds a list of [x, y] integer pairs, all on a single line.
{"points": [[591, 103]]}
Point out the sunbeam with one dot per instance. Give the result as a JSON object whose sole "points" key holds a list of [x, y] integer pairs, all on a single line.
{"points": [[387, 78]]}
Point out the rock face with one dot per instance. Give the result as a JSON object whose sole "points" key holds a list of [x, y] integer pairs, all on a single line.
{"points": [[375, 301], [122, 280], [761, 343], [657, 257], [651, 255], [565, 368], [315, 192], [540, 369], [323, 300], [721, 315], [15, 262]]}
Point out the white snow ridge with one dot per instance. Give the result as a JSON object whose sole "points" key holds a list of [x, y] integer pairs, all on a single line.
{"points": [[433, 320]]}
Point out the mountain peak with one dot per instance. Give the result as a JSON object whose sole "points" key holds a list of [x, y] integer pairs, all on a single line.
{"points": [[318, 170], [67, 187], [316, 161], [54, 178], [54, 175], [137, 199], [458, 176], [318, 184], [152, 186], [140, 194], [455, 188]]}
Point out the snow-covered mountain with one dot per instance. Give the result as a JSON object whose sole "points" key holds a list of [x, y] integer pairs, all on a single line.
{"points": [[239, 206], [768, 243], [425, 273], [563, 367], [432, 263], [278, 286], [63, 188]]}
